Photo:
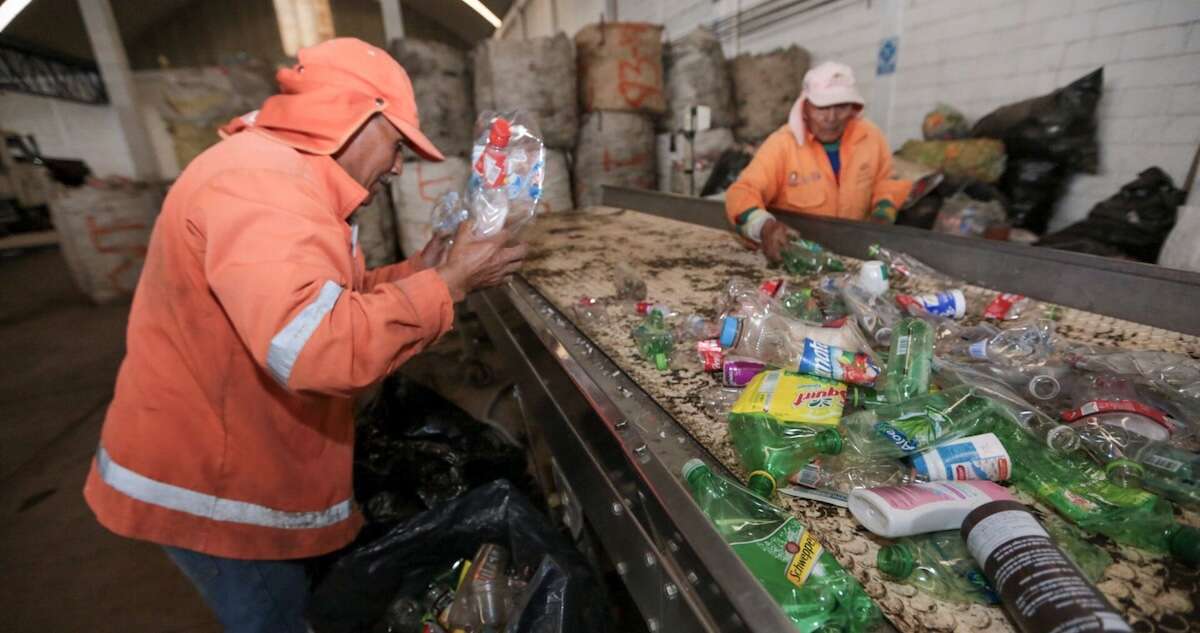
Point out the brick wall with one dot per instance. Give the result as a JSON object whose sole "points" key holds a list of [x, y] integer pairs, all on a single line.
{"points": [[980, 54]]}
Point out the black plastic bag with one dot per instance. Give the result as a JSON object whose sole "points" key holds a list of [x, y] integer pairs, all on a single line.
{"points": [[1134, 223], [726, 171], [562, 596], [1033, 186], [415, 450]]}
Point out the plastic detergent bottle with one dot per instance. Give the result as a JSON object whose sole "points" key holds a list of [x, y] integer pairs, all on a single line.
{"points": [[917, 424], [780, 422], [909, 360], [937, 563], [894, 511], [804, 579]]}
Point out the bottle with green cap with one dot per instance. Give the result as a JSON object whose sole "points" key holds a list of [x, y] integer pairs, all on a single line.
{"points": [[806, 257], [937, 563], [910, 360], [654, 340], [917, 424], [803, 579], [861, 397]]}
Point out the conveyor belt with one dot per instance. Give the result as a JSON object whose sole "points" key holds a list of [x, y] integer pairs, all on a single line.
{"points": [[685, 266]]}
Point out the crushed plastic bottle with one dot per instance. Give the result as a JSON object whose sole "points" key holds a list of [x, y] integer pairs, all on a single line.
{"points": [[909, 361], [654, 340], [915, 425], [806, 581], [489, 204], [798, 303], [848, 471], [1028, 344], [939, 564], [806, 257], [1133, 460], [904, 266], [779, 340], [1113, 401]]}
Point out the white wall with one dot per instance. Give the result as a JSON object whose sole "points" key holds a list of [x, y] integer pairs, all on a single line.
{"points": [[65, 129], [980, 54]]}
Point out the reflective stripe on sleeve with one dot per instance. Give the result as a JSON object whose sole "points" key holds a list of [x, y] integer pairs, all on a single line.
{"points": [[173, 497], [286, 345]]}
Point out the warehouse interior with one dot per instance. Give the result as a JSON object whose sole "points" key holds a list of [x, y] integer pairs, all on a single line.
{"points": [[1031, 217]]}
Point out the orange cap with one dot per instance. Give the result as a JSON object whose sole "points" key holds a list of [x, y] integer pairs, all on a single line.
{"points": [[336, 86]]}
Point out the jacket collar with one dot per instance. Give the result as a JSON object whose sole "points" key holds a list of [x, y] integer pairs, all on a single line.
{"points": [[346, 192]]}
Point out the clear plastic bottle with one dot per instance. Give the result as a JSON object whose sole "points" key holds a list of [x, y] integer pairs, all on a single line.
{"points": [[939, 564], [804, 579], [1021, 345], [489, 202], [905, 266], [877, 316], [1131, 460], [909, 361], [848, 471], [779, 341], [915, 425], [1113, 401]]}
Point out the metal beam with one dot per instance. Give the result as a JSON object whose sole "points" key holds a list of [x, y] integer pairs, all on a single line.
{"points": [[393, 20], [1143, 293]]}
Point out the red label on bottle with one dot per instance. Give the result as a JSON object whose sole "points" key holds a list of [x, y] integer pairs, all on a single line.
{"points": [[1118, 406], [910, 305], [999, 307], [771, 287]]}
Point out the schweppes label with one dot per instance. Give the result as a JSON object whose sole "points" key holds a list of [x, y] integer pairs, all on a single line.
{"points": [[803, 562]]}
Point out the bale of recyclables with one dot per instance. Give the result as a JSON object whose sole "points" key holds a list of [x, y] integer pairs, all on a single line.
{"points": [[103, 231], [698, 74], [706, 149], [442, 82], [376, 227], [615, 148], [620, 67], [980, 159], [416, 191], [764, 88], [535, 75], [556, 188]]}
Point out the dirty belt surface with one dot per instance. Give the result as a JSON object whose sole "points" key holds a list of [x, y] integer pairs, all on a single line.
{"points": [[686, 266]]}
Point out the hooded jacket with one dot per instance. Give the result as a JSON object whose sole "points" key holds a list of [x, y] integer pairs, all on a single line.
{"points": [[254, 321]]}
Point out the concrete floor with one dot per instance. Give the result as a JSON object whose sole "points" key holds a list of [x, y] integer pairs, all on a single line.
{"points": [[59, 570]]}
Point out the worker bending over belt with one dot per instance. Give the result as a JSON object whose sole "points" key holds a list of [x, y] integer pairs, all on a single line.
{"points": [[230, 436], [827, 160]]}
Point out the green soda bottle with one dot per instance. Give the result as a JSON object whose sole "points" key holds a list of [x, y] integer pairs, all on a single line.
{"points": [[772, 451], [910, 360], [805, 257], [917, 424], [801, 304], [937, 563], [654, 340], [804, 579], [1079, 489], [861, 397]]}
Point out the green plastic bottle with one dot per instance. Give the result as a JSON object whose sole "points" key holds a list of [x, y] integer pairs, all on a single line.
{"points": [[861, 397], [805, 257], [937, 563], [910, 360], [654, 340], [912, 426], [801, 304], [804, 579], [1079, 489]]}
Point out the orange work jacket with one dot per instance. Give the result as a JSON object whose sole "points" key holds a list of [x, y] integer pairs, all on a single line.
{"points": [[788, 176], [255, 320]]}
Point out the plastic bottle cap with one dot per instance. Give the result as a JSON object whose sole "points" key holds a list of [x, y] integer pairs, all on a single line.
{"points": [[1185, 545], [660, 361], [828, 442], [691, 466], [761, 483], [500, 133], [960, 303], [729, 331], [895, 561]]}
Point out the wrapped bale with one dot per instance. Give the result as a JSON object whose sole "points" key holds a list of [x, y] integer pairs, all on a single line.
{"points": [[416, 191], [376, 224], [537, 76], [615, 148], [706, 149], [103, 231], [979, 159], [697, 74], [556, 188], [442, 83], [764, 88], [620, 67]]}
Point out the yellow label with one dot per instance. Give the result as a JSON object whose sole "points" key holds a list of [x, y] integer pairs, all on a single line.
{"points": [[805, 559], [793, 398]]}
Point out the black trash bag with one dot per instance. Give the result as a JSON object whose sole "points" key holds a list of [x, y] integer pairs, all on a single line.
{"points": [[726, 171], [1046, 139], [1134, 223], [562, 596], [415, 450]]}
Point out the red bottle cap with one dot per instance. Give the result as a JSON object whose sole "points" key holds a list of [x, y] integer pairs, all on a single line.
{"points": [[500, 133]]}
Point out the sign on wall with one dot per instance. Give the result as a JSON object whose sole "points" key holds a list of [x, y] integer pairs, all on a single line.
{"points": [[885, 62]]}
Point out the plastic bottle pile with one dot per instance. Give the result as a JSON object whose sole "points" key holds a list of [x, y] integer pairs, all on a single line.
{"points": [[920, 413]]}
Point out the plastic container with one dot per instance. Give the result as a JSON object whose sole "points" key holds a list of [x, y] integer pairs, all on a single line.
{"points": [[872, 278], [978, 457], [895, 511], [951, 304]]}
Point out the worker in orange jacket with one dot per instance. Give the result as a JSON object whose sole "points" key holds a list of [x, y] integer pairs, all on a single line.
{"points": [[230, 436], [827, 160]]}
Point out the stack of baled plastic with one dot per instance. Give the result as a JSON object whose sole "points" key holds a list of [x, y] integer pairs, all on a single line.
{"points": [[698, 75], [765, 86], [620, 93]]}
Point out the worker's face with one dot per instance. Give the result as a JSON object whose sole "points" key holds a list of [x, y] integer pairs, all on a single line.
{"points": [[373, 155], [828, 123]]}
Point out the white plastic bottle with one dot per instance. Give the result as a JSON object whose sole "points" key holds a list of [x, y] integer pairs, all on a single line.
{"points": [[895, 511], [976, 457]]}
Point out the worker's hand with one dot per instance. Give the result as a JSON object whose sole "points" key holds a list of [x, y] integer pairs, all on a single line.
{"points": [[434, 252], [884, 213], [775, 238], [478, 262]]}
